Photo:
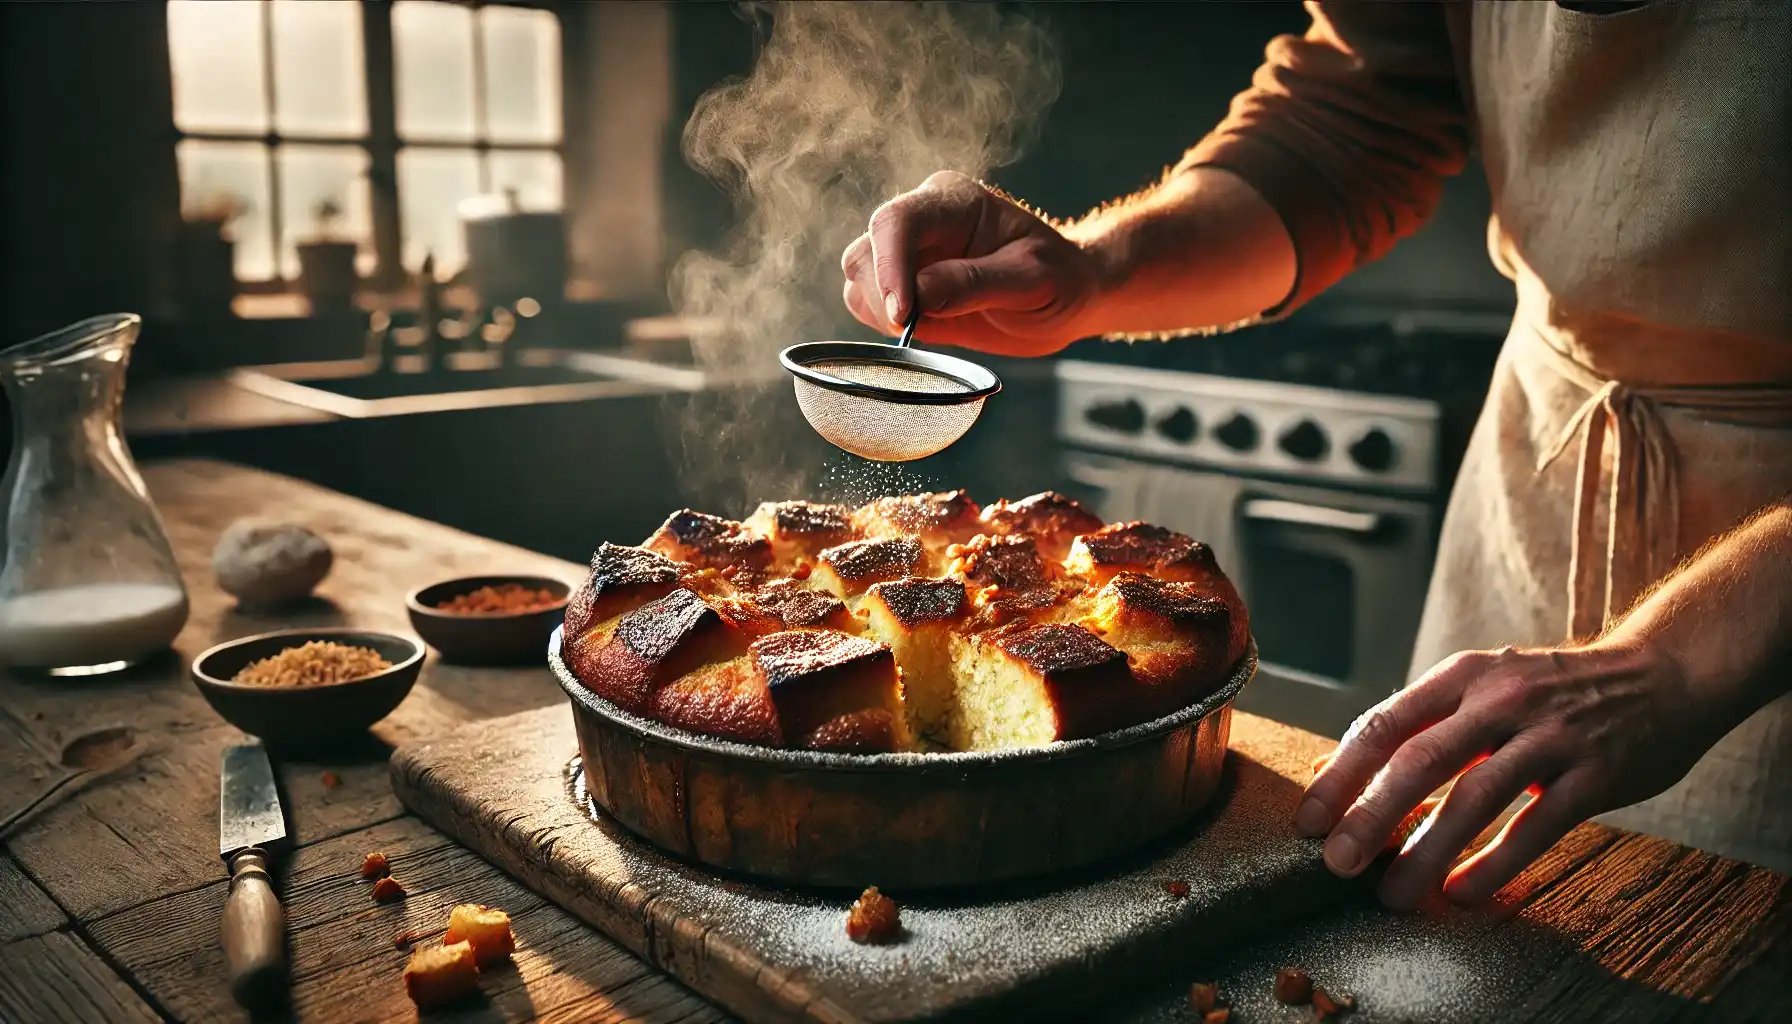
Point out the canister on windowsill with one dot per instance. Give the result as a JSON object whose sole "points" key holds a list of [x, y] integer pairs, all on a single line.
{"points": [[514, 254]]}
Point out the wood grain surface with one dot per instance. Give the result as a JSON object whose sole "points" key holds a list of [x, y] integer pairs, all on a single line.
{"points": [[1059, 945], [109, 897]]}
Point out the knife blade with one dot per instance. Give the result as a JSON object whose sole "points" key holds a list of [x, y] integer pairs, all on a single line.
{"points": [[251, 828]]}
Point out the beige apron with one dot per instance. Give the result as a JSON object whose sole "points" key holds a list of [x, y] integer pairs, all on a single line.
{"points": [[1643, 402]]}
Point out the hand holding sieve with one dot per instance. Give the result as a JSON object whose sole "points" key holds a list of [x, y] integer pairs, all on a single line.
{"points": [[892, 403]]}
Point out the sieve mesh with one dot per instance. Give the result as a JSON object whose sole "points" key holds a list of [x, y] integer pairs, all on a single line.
{"points": [[886, 431]]}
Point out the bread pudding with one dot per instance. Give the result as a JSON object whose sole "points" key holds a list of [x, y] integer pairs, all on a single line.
{"points": [[916, 623]]}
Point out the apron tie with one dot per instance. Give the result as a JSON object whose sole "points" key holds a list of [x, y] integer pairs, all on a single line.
{"points": [[1642, 527], [1643, 506]]}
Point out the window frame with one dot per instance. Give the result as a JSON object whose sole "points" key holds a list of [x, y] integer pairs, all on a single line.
{"points": [[381, 142]]}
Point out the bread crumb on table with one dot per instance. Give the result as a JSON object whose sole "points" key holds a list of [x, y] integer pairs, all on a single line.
{"points": [[487, 929], [441, 974], [375, 865], [387, 890], [873, 918]]}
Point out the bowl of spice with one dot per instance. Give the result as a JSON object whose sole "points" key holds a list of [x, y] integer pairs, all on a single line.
{"points": [[489, 620], [303, 687]]}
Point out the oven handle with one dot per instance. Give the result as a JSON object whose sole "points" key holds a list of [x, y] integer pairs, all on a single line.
{"points": [[1301, 514]]}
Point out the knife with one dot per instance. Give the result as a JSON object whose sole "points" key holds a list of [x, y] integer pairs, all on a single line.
{"points": [[251, 828]]}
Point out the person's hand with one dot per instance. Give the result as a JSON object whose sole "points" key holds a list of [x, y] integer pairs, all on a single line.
{"points": [[988, 274], [1584, 730]]}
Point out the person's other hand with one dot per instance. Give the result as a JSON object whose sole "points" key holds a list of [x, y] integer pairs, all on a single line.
{"points": [[988, 274], [1584, 730]]}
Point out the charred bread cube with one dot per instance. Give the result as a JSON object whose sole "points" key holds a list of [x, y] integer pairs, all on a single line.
{"points": [[1052, 520], [816, 676], [438, 975], [915, 618], [1177, 635], [799, 530], [1140, 547], [711, 542], [799, 607], [847, 570], [938, 518], [621, 580], [650, 646], [1030, 685], [486, 929]]}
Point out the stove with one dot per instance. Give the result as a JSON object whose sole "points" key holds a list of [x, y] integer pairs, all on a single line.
{"points": [[1314, 457]]}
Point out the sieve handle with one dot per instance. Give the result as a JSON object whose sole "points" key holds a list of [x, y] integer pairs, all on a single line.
{"points": [[908, 329]]}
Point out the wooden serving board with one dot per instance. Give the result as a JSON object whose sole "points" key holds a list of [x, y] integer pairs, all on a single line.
{"points": [[1043, 950]]}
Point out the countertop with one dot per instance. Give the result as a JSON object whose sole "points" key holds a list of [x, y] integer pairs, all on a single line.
{"points": [[109, 898]]}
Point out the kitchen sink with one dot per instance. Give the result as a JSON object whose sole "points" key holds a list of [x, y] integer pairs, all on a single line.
{"points": [[364, 388]]}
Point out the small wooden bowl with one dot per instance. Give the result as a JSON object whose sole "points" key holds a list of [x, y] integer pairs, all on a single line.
{"points": [[308, 715], [903, 821], [486, 639]]}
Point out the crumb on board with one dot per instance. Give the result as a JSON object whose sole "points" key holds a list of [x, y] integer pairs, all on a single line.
{"points": [[1293, 986], [1327, 1006], [1202, 996], [486, 928], [405, 940], [387, 890], [1217, 1015], [375, 865], [331, 780], [442, 974], [873, 918], [1176, 889]]}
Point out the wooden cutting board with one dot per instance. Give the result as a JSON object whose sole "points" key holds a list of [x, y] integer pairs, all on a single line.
{"points": [[1051, 949]]}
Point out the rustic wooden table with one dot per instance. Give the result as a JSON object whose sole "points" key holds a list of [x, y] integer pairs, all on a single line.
{"points": [[110, 897]]}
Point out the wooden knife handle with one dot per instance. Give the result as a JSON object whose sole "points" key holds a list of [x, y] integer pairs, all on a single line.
{"points": [[254, 932]]}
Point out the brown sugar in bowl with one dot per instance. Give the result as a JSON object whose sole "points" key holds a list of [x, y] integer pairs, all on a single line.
{"points": [[306, 716], [487, 638]]}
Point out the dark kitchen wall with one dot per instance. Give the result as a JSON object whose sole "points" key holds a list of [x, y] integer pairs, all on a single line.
{"points": [[1142, 82], [87, 175]]}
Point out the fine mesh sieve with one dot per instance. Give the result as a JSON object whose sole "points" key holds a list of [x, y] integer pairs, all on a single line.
{"points": [[887, 402]]}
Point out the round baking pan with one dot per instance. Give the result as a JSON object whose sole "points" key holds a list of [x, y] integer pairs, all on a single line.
{"points": [[902, 821]]}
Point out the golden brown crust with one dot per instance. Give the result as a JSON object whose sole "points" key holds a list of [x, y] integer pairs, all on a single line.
{"points": [[1143, 547], [627, 665], [619, 575], [940, 516], [705, 540], [757, 632], [1051, 519], [815, 676], [1090, 685]]}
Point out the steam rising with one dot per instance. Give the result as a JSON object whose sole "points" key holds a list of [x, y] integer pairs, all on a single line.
{"points": [[847, 105]]}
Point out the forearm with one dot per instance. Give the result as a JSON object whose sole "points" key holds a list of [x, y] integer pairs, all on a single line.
{"points": [[1725, 617], [1201, 250]]}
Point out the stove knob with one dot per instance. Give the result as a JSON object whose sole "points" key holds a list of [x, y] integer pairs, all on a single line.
{"points": [[1180, 426], [1304, 441], [1238, 433], [1374, 451], [1128, 417]]}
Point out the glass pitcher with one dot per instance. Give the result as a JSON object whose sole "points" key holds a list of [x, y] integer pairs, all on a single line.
{"points": [[89, 584]]}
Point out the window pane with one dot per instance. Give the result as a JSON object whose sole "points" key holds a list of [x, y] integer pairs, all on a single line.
{"points": [[231, 172], [522, 74], [215, 52], [320, 80], [432, 54], [534, 176], [431, 184], [311, 175]]}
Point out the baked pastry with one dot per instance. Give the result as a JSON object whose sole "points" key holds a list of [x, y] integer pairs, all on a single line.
{"points": [[915, 622]]}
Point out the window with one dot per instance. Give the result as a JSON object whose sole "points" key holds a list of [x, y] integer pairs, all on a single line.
{"points": [[292, 111]]}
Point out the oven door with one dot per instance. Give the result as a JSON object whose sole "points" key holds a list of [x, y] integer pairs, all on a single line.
{"points": [[1335, 581]]}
